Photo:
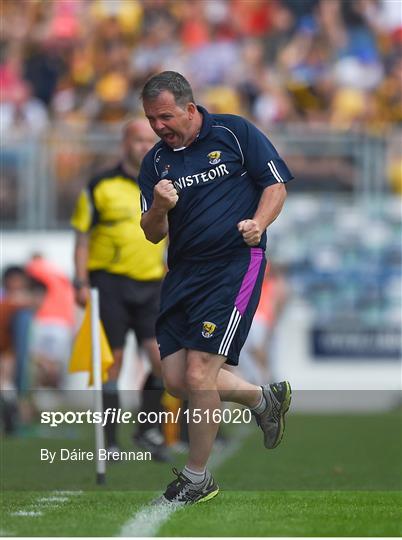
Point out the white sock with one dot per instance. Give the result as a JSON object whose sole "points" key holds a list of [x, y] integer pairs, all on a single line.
{"points": [[195, 476], [261, 405]]}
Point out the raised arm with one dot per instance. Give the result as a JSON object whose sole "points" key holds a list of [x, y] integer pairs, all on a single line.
{"points": [[154, 222]]}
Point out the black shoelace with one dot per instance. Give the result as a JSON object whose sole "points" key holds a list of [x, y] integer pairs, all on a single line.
{"points": [[178, 485]]}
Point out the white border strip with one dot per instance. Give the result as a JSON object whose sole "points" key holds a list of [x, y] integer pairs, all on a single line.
{"points": [[144, 206], [274, 171], [277, 172]]}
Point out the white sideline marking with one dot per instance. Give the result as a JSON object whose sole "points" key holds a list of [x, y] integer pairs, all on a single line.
{"points": [[62, 492], [218, 458], [53, 499], [148, 520], [30, 513], [44, 503]]}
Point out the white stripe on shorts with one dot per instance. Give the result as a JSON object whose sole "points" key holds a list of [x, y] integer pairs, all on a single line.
{"points": [[230, 332]]}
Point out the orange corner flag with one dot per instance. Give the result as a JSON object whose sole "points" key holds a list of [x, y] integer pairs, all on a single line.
{"points": [[81, 356]]}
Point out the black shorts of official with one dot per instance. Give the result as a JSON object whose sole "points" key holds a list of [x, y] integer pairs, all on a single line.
{"points": [[126, 304], [209, 306]]}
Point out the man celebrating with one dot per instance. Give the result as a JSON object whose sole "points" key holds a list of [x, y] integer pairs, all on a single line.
{"points": [[214, 183], [112, 254]]}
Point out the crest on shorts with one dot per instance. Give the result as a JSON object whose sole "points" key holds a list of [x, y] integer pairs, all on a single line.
{"points": [[214, 157], [208, 329]]}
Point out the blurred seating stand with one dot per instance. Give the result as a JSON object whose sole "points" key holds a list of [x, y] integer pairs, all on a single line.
{"points": [[42, 175]]}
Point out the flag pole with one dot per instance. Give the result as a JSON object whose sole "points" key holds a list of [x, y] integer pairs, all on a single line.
{"points": [[97, 373]]}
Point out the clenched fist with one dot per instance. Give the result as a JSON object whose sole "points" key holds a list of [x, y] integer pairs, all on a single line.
{"points": [[251, 231], [165, 195]]}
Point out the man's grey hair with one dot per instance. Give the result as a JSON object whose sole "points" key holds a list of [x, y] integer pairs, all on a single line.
{"points": [[168, 81]]}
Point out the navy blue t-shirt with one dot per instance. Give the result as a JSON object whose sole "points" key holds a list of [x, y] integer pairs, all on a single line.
{"points": [[219, 178]]}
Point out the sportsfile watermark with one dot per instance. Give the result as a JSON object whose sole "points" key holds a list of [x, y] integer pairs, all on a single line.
{"points": [[328, 444], [117, 416]]}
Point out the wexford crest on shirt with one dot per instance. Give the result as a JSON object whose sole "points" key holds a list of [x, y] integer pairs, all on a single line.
{"points": [[208, 329], [214, 157]]}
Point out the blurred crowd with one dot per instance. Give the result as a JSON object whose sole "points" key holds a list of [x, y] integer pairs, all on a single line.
{"points": [[37, 320], [82, 62]]}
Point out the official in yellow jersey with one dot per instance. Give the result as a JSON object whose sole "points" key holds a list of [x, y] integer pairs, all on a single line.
{"points": [[112, 254]]}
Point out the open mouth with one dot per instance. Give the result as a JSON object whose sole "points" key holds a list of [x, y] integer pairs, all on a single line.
{"points": [[169, 137]]}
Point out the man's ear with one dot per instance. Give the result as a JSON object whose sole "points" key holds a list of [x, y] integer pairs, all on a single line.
{"points": [[191, 110]]}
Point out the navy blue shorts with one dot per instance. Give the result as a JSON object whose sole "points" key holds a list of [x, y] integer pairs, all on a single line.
{"points": [[209, 306]]}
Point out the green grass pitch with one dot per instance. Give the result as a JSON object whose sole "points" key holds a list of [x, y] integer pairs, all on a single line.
{"points": [[331, 476]]}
